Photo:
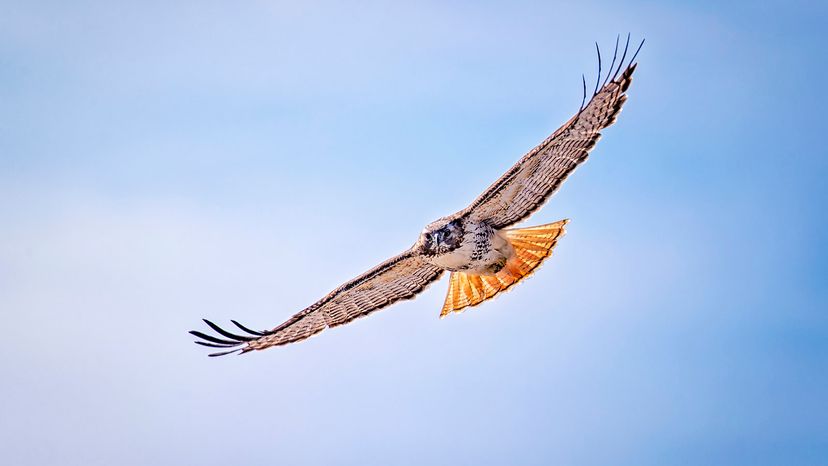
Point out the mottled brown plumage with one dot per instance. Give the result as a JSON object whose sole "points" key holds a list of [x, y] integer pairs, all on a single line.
{"points": [[483, 256]]}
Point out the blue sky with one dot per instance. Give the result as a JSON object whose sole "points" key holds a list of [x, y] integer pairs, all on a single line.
{"points": [[166, 161]]}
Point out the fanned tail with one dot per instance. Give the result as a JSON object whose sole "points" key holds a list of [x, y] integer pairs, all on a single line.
{"points": [[532, 245]]}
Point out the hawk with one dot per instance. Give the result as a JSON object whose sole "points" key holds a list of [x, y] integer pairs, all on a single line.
{"points": [[476, 245]]}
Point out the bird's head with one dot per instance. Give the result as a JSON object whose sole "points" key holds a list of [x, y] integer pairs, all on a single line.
{"points": [[441, 236]]}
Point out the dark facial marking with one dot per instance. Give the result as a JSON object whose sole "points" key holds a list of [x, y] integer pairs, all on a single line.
{"points": [[446, 239]]}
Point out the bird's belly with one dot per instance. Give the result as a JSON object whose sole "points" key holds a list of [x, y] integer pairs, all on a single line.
{"points": [[476, 255]]}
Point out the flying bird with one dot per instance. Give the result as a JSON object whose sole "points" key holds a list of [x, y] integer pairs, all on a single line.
{"points": [[477, 245]]}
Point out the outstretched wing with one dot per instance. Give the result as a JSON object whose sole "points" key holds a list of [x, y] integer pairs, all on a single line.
{"points": [[531, 182], [401, 277]]}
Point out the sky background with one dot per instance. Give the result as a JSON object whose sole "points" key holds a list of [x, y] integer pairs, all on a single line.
{"points": [[161, 162]]}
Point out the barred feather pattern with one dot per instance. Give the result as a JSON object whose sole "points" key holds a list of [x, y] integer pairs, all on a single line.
{"points": [[398, 278], [535, 178]]}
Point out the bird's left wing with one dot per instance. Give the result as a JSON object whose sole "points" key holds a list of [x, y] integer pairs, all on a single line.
{"points": [[401, 277], [531, 182]]}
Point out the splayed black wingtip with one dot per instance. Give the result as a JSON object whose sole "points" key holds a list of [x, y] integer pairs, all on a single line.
{"points": [[237, 350], [614, 57], [598, 80], [632, 60], [214, 345], [230, 340], [623, 57], [225, 333], [612, 73], [212, 339], [245, 329]]}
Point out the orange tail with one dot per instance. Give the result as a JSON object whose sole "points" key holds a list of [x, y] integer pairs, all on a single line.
{"points": [[532, 245]]}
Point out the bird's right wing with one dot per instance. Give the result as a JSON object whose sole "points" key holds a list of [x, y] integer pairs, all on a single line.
{"points": [[401, 277]]}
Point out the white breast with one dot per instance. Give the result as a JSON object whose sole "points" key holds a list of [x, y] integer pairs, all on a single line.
{"points": [[482, 250], [459, 259]]}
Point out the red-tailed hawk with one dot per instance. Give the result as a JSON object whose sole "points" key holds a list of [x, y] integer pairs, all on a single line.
{"points": [[476, 245]]}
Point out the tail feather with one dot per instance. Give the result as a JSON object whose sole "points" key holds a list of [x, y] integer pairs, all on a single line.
{"points": [[531, 245]]}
